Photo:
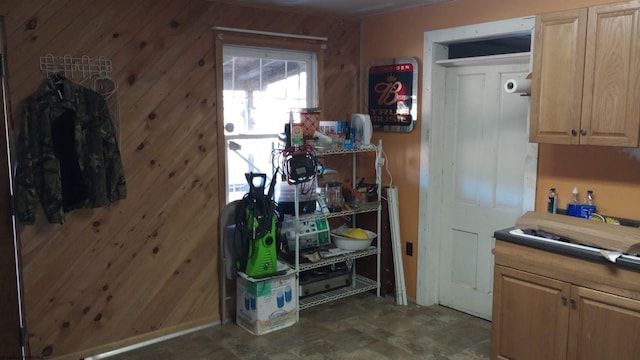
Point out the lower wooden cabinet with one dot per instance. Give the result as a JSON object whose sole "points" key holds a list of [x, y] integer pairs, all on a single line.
{"points": [[540, 317], [530, 321], [603, 326]]}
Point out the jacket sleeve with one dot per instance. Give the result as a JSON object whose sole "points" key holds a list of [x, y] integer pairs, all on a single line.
{"points": [[26, 197], [116, 184]]}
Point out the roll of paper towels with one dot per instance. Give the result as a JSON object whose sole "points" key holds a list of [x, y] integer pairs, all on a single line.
{"points": [[521, 86]]}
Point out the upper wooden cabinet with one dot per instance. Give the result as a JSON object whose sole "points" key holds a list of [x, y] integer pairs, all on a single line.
{"points": [[586, 76]]}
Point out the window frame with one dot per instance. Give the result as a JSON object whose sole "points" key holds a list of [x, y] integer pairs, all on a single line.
{"points": [[308, 57], [226, 37]]}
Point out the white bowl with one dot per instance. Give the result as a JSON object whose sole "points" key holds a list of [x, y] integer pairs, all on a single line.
{"points": [[347, 243]]}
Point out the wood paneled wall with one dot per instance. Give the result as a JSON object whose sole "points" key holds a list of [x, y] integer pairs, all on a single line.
{"points": [[147, 265]]}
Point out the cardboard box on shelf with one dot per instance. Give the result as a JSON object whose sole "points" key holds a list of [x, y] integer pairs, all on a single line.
{"points": [[266, 305], [310, 119], [329, 175], [333, 127]]}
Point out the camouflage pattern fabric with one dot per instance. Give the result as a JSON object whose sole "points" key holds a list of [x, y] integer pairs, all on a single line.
{"points": [[86, 173]]}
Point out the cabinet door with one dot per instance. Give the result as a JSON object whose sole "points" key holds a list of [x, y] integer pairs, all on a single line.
{"points": [[557, 77], [611, 109], [603, 326], [530, 316]]}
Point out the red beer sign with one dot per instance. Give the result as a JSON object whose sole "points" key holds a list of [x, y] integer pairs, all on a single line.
{"points": [[390, 90]]}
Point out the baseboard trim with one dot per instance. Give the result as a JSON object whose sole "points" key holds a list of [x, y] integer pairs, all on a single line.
{"points": [[151, 341]]}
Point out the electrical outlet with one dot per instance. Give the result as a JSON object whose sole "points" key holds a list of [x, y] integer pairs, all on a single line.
{"points": [[409, 249]]}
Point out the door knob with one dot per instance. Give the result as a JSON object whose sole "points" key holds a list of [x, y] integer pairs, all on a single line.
{"points": [[574, 132], [583, 132]]}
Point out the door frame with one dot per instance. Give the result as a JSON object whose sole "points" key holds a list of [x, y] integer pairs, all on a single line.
{"points": [[13, 338], [431, 133]]}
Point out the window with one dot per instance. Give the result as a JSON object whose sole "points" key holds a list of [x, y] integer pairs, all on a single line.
{"points": [[262, 87]]}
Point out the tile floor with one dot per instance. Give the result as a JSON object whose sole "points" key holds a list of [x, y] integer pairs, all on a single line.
{"points": [[359, 327]]}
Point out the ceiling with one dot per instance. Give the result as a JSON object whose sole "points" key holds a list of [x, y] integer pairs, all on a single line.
{"points": [[356, 8]]}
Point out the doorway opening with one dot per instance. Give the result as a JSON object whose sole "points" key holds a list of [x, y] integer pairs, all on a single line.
{"points": [[444, 49]]}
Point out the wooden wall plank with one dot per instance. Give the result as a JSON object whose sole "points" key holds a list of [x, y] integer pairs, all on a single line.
{"points": [[15, 13], [148, 107], [40, 41], [43, 14], [164, 50], [146, 265]]}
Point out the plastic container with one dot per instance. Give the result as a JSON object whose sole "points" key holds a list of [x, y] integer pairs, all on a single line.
{"points": [[589, 198], [307, 196], [574, 196], [582, 209], [589, 206], [347, 243], [333, 196], [573, 206]]}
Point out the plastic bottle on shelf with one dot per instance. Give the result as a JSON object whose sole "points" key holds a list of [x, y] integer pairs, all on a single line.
{"points": [[589, 205], [573, 206], [574, 196], [552, 201], [589, 198]]}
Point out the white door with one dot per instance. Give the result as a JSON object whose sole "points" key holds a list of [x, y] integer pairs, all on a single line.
{"points": [[484, 166]]}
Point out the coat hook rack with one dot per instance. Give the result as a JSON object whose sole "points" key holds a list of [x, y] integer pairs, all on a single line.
{"points": [[85, 66], [88, 71]]}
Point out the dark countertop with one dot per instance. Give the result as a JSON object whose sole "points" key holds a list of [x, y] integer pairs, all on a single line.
{"points": [[561, 247]]}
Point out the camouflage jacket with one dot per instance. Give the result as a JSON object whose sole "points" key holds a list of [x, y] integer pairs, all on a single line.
{"points": [[67, 155]]}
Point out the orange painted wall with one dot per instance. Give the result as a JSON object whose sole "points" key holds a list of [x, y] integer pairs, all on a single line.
{"points": [[613, 173]]}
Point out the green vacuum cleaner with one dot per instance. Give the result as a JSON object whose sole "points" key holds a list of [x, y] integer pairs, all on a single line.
{"points": [[256, 223]]}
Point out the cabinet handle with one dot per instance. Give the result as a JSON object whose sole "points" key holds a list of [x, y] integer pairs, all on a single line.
{"points": [[564, 299], [573, 302], [583, 132], [574, 132]]}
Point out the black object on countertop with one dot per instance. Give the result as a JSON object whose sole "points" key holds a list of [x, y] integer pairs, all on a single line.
{"points": [[560, 248], [541, 233]]}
